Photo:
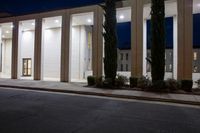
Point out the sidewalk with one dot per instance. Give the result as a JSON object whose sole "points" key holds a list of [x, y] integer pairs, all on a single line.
{"points": [[79, 89]]}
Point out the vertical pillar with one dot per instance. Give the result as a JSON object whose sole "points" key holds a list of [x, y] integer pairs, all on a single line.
{"points": [[65, 40], [175, 48], [145, 47], [100, 41], [14, 74], [95, 44], [185, 43], [137, 38], [1, 43], [37, 49]]}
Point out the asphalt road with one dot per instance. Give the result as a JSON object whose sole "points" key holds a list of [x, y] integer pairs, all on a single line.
{"points": [[41, 112]]}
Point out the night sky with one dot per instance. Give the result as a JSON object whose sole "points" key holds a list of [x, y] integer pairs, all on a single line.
{"points": [[19, 7]]}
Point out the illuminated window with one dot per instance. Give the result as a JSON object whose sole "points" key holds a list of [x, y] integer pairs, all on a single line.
{"points": [[195, 55], [27, 67]]}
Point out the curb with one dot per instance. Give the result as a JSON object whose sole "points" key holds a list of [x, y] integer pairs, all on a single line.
{"points": [[105, 95]]}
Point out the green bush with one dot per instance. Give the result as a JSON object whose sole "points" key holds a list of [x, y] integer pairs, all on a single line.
{"points": [[187, 85], [99, 82], [91, 80], [144, 83], [159, 86], [108, 83], [172, 84], [133, 82], [120, 81]]}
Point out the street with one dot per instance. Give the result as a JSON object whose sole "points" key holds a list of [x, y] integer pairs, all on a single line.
{"points": [[23, 111]]}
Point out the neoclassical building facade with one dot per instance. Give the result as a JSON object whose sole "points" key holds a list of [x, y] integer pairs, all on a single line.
{"points": [[67, 45]]}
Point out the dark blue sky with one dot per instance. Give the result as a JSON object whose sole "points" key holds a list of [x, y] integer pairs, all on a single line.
{"points": [[19, 7], [169, 33]]}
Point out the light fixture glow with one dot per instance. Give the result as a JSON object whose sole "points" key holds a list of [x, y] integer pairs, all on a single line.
{"points": [[89, 21], [11, 26], [121, 17], [33, 24], [56, 21], [7, 32]]}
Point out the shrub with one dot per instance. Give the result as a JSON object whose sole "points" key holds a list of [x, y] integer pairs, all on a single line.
{"points": [[108, 83], [198, 83], [121, 81], [144, 83], [172, 84], [99, 82], [159, 86], [133, 82], [186, 85], [91, 80]]}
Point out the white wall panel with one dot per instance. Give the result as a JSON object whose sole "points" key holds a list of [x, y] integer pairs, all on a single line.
{"points": [[51, 54]]}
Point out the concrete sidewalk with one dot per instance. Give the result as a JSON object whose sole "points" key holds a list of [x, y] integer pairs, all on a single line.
{"points": [[77, 88]]}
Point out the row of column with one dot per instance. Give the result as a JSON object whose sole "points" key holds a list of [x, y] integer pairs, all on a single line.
{"points": [[185, 43], [185, 25], [65, 45]]}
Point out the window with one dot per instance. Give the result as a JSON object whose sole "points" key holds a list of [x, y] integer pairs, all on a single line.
{"points": [[195, 69], [170, 54], [126, 56], [27, 67], [126, 67], [122, 69], [122, 56], [170, 67], [195, 55]]}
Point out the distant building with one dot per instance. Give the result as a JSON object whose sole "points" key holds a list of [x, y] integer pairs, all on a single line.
{"points": [[124, 60]]}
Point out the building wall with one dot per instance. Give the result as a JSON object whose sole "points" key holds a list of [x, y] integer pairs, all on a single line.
{"points": [[6, 58], [26, 50], [196, 64], [51, 54], [81, 53], [124, 60]]}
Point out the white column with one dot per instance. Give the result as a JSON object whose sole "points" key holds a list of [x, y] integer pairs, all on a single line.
{"points": [[144, 47], [65, 44], [175, 47], [137, 38], [185, 43], [37, 49], [1, 49], [15, 50]]}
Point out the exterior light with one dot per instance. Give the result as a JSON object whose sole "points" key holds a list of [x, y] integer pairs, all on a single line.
{"points": [[89, 21], [11, 26], [56, 21], [33, 24], [121, 17]]}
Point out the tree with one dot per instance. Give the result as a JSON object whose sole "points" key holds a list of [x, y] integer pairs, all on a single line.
{"points": [[158, 40], [110, 37]]}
